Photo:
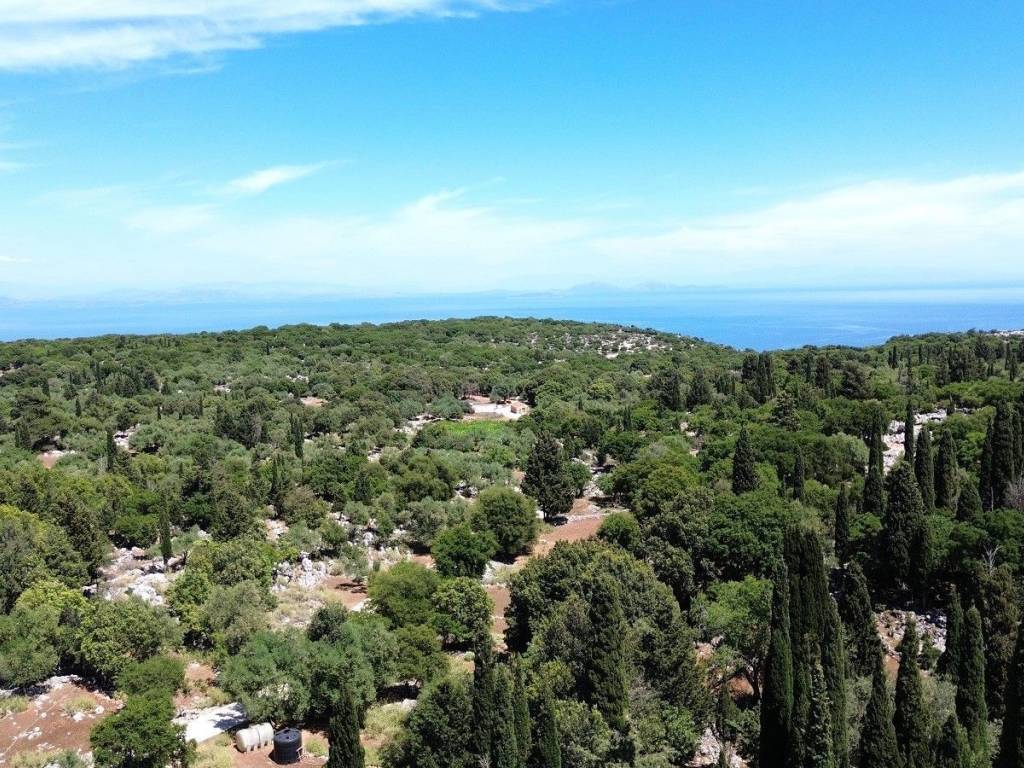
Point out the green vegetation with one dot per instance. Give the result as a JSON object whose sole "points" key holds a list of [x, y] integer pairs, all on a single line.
{"points": [[758, 508]]}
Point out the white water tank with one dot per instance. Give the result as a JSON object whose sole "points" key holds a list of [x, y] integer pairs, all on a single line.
{"points": [[254, 737]]}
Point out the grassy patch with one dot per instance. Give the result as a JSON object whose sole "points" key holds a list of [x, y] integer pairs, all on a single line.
{"points": [[384, 722], [62, 758], [316, 747], [12, 705], [216, 753], [79, 705]]}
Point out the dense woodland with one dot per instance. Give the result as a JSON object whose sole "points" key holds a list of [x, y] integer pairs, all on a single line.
{"points": [[758, 521]]}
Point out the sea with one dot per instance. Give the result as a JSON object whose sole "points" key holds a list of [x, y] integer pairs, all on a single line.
{"points": [[758, 320]]}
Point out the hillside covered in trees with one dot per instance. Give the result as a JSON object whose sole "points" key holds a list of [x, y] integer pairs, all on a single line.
{"points": [[516, 544]]}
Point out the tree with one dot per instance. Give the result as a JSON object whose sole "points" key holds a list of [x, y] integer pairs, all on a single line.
{"points": [[483, 700], [141, 735], [547, 479], [911, 717], [343, 735], [971, 709], [548, 744], [509, 516], [968, 502], [166, 549], [924, 469], [777, 697], [1011, 739], [799, 476], [1000, 616], [439, 732], [666, 386], [521, 711], [859, 620], [842, 524], [998, 468], [462, 611], [905, 552], [946, 472], [403, 594], [461, 551], [504, 747], [700, 392], [818, 747], [878, 747], [874, 481], [740, 613], [952, 749], [604, 683], [744, 471], [908, 434], [950, 661], [117, 632]]}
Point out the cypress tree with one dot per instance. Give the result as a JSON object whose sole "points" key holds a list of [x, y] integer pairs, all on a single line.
{"points": [[924, 469], [1000, 615], [521, 709], [504, 749], [549, 747], [818, 749], [343, 735], [833, 660], [874, 490], [799, 476], [1012, 364], [165, 534], [483, 698], [946, 471], [861, 630], [950, 661], [111, 447], [998, 466], [605, 676], [908, 434], [905, 543], [910, 718], [744, 471], [842, 524], [952, 749], [878, 736], [1011, 740], [968, 503], [78, 407], [777, 693], [971, 709], [22, 436], [547, 480]]}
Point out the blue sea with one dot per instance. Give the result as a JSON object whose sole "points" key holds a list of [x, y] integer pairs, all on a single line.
{"points": [[754, 320]]}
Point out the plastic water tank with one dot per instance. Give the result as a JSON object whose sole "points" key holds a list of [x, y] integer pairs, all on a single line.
{"points": [[287, 746], [254, 737]]}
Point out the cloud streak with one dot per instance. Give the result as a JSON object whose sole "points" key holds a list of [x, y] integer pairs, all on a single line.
{"points": [[258, 182], [66, 34]]}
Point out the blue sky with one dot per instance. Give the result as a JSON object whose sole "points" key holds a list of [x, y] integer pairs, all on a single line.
{"points": [[403, 146]]}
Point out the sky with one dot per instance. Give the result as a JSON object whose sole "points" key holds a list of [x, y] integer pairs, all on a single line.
{"points": [[383, 147]]}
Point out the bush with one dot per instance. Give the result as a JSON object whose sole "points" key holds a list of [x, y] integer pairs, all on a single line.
{"points": [[135, 530], [159, 674], [461, 551], [509, 516], [463, 611], [403, 593], [12, 705]]}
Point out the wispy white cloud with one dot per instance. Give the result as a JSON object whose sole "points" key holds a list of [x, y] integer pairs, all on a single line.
{"points": [[55, 34], [259, 182], [884, 232]]}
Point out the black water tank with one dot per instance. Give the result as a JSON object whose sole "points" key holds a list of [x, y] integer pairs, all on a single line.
{"points": [[287, 746]]}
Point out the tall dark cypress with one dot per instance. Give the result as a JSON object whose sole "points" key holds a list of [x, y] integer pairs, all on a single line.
{"points": [[952, 749], [878, 747], [874, 482], [819, 746], [548, 752], [166, 549], [504, 748], [799, 475], [111, 450], [946, 471], [483, 698], [777, 691], [521, 708], [950, 660], [605, 676], [998, 466], [744, 471], [908, 434], [1011, 740], [971, 709], [859, 619], [924, 469], [911, 716], [905, 546], [343, 735], [842, 524], [968, 502]]}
